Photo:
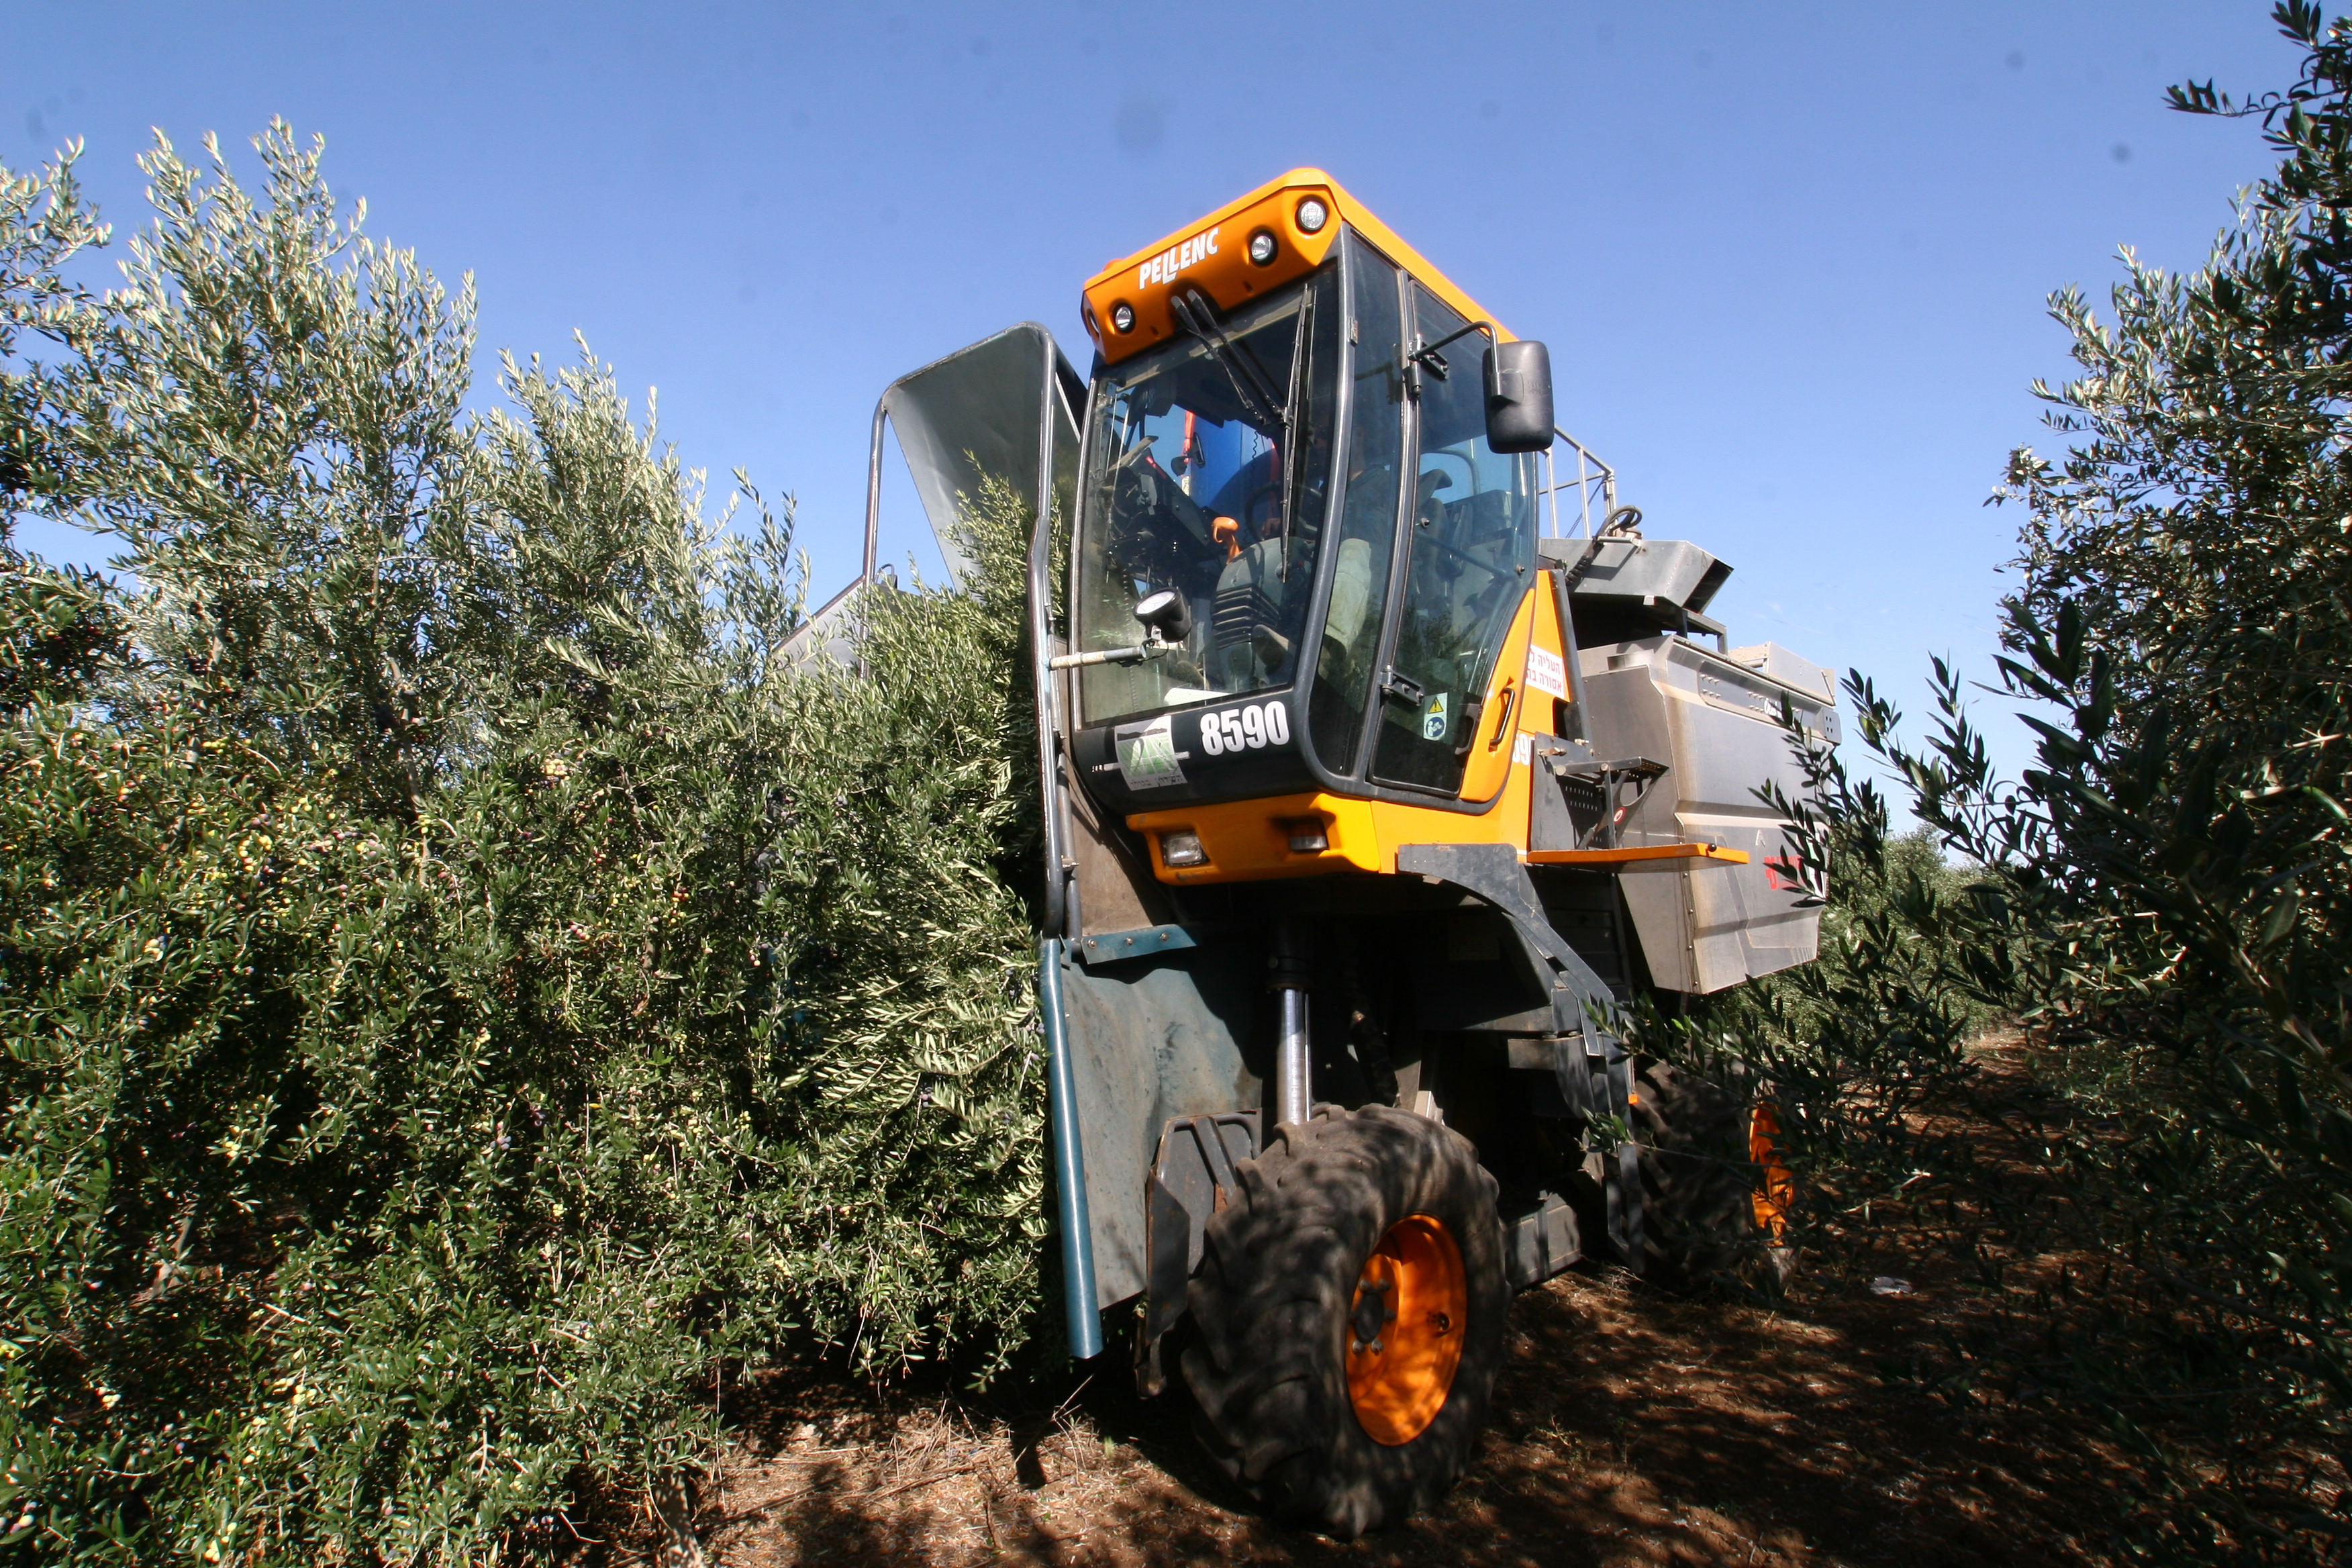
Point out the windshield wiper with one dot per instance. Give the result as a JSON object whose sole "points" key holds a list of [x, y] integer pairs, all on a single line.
{"points": [[1250, 382]]}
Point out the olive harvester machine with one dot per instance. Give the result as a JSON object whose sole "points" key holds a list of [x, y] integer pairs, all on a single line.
{"points": [[1376, 781]]}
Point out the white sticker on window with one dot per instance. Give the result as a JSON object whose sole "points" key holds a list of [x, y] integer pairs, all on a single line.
{"points": [[1546, 673], [1147, 755], [1433, 718]]}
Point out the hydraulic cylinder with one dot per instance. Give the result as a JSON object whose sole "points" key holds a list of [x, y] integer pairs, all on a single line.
{"points": [[1293, 1090]]}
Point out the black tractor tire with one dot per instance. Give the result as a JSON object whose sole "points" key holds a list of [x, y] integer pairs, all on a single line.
{"points": [[1699, 1222], [1270, 1312]]}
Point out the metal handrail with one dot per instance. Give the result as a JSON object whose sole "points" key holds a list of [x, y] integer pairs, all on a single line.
{"points": [[1045, 681], [1591, 471]]}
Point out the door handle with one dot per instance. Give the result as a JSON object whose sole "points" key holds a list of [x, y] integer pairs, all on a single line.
{"points": [[1503, 720]]}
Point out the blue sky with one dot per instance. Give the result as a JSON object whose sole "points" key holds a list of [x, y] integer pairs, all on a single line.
{"points": [[1792, 260]]}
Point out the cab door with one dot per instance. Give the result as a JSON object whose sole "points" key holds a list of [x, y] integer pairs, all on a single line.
{"points": [[1468, 543]]}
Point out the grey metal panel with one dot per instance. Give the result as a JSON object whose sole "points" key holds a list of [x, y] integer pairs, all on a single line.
{"points": [[1543, 1243], [1149, 1041], [1549, 827], [1493, 872], [1123, 946], [831, 632], [1641, 570], [1775, 663], [1192, 1180], [1704, 925], [1588, 1063], [1657, 897], [1479, 980], [1116, 890], [976, 413]]}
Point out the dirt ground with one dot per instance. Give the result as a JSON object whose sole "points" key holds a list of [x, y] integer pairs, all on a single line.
{"points": [[1631, 1426]]}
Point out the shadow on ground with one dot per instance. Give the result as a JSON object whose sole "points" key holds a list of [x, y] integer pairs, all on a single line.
{"points": [[1631, 1427], [1961, 1417]]}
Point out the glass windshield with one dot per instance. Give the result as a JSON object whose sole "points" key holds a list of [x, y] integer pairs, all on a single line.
{"points": [[1205, 475], [1473, 542], [1367, 513]]}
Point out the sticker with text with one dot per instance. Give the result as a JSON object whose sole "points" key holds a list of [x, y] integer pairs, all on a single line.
{"points": [[1147, 754], [1546, 672]]}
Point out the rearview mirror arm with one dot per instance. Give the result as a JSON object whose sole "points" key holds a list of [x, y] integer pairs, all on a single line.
{"points": [[1426, 353]]}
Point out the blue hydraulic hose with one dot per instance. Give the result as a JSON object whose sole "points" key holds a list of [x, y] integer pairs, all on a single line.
{"points": [[1069, 1163]]}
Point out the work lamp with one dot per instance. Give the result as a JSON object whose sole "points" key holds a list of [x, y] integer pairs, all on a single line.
{"points": [[1183, 848]]}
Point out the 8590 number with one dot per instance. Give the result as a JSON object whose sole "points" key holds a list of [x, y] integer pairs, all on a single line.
{"points": [[1245, 729]]}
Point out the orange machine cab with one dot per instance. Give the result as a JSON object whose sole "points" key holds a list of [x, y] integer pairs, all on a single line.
{"points": [[1285, 458]]}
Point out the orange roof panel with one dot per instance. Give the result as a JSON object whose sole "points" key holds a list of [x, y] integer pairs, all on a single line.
{"points": [[1213, 255]]}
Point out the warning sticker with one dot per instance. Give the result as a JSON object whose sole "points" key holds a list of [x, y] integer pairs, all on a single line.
{"points": [[1546, 672], [1147, 755], [1433, 718]]}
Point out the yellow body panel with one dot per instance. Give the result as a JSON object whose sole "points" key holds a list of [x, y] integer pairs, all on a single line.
{"points": [[1213, 254], [1249, 840], [1536, 715], [1492, 748]]}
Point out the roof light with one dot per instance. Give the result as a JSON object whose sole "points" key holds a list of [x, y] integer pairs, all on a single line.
{"points": [[1122, 317], [1183, 848], [1262, 246], [1312, 216]]}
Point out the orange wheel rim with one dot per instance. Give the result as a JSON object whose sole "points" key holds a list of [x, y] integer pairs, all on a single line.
{"points": [[1776, 1185], [1403, 1333]]}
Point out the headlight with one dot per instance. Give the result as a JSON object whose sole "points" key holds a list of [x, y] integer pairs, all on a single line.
{"points": [[1183, 848], [1312, 216], [1262, 246], [1122, 317]]}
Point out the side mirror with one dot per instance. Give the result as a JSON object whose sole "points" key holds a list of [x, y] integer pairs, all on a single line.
{"points": [[1167, 612], [1518, 397]]}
